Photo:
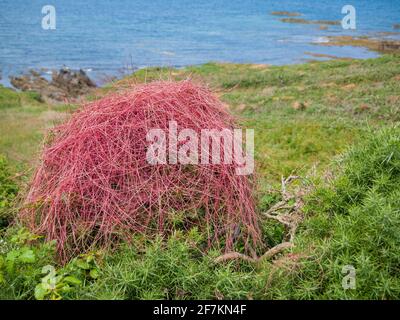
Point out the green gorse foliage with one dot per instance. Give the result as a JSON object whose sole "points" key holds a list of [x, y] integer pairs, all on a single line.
{"points": [[355, 221]]}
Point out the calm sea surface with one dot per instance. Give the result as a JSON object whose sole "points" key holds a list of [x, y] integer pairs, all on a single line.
{"points": [[112, 37]]}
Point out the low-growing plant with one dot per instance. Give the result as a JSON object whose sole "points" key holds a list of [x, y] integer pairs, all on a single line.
{"points": [[28, 268], [57, 284], [8, 192], [21, 259], [52, 285]]}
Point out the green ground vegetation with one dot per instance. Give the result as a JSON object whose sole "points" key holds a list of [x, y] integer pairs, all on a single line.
{"points": [[333, 123]]}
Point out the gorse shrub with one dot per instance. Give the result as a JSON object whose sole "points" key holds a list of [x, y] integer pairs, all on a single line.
{"points": [[172, 269], [355, 222], [373, 166]]}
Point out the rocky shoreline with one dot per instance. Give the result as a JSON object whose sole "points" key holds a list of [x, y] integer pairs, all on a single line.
{"points": [[66, 85], [70, 86]]}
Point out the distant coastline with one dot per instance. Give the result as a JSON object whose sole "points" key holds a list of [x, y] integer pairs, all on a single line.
{"points": [[67, 84], [169, 35]]}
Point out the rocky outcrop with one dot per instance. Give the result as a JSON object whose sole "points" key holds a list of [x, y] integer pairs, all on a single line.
{"points": [[374, 44], [65, 86]]}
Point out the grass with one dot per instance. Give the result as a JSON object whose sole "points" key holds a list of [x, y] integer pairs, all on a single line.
{"points": [[342, 99], [305, 118], [12, 99], [23, 123], [8, 193]]}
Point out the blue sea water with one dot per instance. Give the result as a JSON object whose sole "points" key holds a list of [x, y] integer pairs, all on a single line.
{"points": [[112, 37]]}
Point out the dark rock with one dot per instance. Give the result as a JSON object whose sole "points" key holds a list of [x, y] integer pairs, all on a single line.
{"points": [[389, 46], [65, 84], [76, 83]]}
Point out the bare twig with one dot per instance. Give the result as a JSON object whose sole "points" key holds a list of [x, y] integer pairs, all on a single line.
{"points": [[275, 250], [234, 256], [267, 255], [287, 211], [280, 218], [284, 182]]}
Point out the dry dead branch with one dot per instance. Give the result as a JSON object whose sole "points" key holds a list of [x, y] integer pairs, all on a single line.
{"points": [[288, 210], [267, 255]]}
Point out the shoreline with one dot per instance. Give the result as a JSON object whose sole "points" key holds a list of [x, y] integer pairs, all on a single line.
{"points": [[68, 85], [379, 42]]}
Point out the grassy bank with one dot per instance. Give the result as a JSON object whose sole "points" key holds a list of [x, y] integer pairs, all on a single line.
{"points": [[306, 117]]}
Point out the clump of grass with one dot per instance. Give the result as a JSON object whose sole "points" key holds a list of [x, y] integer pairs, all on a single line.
{"points": [[279, 77], [9, 98], [8, 192]]}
